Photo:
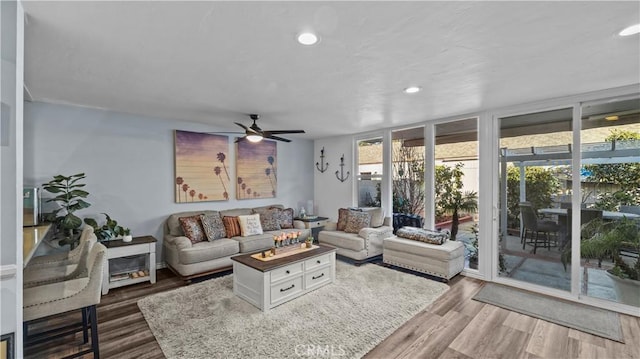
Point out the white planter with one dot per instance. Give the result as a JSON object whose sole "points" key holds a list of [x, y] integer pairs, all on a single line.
{"points": [[627, 290], [128, 238]]}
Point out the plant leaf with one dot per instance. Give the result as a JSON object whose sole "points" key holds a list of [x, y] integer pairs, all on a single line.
{"points": [[71, 221]]}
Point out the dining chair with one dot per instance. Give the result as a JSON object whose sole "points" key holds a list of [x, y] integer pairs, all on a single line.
{"points": [[87, 238], [61, 266], [533, 226], [42, 302]]}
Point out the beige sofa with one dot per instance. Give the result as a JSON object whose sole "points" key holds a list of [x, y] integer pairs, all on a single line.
{"points": [[190, 260], [361, 246]]}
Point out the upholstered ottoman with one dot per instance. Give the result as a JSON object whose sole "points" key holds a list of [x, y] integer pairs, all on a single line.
{"points": [[443, 260]]}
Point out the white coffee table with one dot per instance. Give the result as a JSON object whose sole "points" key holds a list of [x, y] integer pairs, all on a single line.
{"points": [[267, 284]]}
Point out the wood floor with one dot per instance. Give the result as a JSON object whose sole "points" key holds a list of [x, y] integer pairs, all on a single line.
{"points": [[452, 327]]}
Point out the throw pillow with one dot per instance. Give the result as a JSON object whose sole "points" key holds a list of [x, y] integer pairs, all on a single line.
{"points": [[285, 217], [192, 228], [213, 226], [269, 218], [422, 235], [343, 216], [231, 226], [250, 225], [357, 221]]}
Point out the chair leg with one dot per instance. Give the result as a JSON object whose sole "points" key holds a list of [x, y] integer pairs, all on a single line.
{"points": [[95, 345], [85, 326]]}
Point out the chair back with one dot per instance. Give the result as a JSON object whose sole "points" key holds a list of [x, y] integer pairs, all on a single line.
{"points": [[528, 216], [96, 263]]}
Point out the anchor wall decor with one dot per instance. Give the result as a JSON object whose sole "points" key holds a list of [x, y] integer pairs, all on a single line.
{"points": [[321, 166], [342, 177]]}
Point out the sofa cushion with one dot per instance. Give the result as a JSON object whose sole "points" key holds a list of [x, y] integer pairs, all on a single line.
{"points": [[377, 216], [447, 251], [235, 212], [204, 251], [356, 221], [341, 239], [343, 217], [269, 218], [422, 235], [173, 224], [231, 226], [258, 242], [213, 226], [192, 228], [250, 225]]}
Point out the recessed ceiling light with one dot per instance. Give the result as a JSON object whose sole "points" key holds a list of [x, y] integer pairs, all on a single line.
{"points": [[412, 89], [631, 30], [612, 118], [307, 38]]}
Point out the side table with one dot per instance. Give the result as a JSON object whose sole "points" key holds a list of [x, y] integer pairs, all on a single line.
{"points": [[145, 245], [315, 224]]}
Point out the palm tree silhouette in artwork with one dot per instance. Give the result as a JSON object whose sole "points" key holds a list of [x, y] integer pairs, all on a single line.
{"points": [[185, 188], [271, 160], [238, 191], [200, 196], [192, 193], [267, 171], [249, 191], [217, 171], [179, 182], [225, 194], [221, 157]]}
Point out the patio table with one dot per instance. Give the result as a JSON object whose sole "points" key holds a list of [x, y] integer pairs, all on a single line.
{"points": [[605, 214]]}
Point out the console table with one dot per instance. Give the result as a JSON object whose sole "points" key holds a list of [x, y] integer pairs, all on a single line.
{"points": [[145, 245]]}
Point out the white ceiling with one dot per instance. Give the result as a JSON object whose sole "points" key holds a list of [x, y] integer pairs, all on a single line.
{"points": [[215, 62]]}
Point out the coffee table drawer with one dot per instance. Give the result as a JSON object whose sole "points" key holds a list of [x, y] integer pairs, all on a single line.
{"points": [[286, 271], [286, 289], [317, 277], [319, 261]]}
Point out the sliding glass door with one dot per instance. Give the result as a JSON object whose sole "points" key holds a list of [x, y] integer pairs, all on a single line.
{"points": [[535, 194]]}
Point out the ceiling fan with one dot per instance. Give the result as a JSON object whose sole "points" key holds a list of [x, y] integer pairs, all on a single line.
{"points": [[254, 133]]}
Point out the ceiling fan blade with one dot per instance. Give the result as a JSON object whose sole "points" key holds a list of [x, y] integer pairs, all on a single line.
{"points": [[239, 139], [277, 138], [241, 125], [276, 132]]}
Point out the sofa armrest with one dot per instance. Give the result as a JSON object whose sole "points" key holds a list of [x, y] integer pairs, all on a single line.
{"points": [[179, 242], [298, 224], [376, 233]]}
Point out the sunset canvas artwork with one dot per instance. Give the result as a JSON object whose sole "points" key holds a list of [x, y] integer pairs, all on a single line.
{"points": [[257, 170], [202, 169]]}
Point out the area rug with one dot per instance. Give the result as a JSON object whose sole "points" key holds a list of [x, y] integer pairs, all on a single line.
{"points": [[578, 316], [345, 319]]}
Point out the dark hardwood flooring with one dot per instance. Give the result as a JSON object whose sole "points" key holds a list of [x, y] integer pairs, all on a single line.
{"points": [[452, 327]]}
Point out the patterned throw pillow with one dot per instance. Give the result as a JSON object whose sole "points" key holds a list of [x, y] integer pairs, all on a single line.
{"points": [[213, 226], [285, 217], [269, 218], [192, 228], [231, 226], [422, 235], [357, 221], [343, 216], [250, 225]]}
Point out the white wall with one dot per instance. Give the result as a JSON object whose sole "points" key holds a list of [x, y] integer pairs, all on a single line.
{"points": [[330, 193], [129, 163], [11, 75]]}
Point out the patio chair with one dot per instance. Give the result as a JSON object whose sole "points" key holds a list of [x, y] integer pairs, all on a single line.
{"points": [[532, 228]]}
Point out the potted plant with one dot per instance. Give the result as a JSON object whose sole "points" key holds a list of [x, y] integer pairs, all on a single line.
{"points": [[126, 235], [110, 230], [69, 197], [602, 240], [309, 241]]}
